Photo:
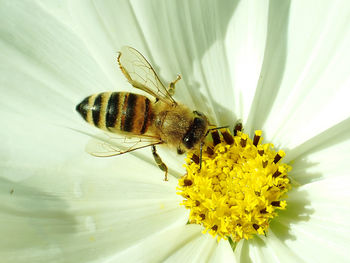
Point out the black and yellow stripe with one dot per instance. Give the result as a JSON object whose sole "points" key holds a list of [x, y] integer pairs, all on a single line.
{"points": [[117, 111], [112, 112]]}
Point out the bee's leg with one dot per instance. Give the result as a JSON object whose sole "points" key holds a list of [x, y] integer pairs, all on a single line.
{"points": [[238, 127], [200, 155], [159, 162], [171, 88]]}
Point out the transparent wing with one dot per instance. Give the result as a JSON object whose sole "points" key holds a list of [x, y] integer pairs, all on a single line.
{"points": [[141, 75], [106, 145]]}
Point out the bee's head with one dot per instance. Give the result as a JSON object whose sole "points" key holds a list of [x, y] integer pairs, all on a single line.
{"points": [[195, 133]]}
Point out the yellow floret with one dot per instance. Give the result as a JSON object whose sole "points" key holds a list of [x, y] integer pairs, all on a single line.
{"points": [[236, 192]]}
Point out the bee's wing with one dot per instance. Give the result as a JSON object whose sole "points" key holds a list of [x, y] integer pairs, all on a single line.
{"points": [[107, 145], [141, 75]]}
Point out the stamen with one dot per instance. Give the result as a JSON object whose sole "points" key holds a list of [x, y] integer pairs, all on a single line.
{"points": [[239, 187], [257, 138], [279, 156], [238, 128], [195, 158], [264, 164], [275, 203], [187, 182], [209, 150], [216, 137], [276, 174], [244, 141], [227, 137]]}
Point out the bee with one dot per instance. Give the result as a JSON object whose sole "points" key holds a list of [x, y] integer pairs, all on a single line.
{"points": [[141, 121]]}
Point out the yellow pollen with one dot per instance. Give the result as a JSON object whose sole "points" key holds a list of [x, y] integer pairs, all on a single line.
{"points": [[239, 187]]}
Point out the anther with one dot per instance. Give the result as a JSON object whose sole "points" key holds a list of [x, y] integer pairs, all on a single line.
{"points": [[237, 128], [195, 158], [275, 203], [264, 164], [188, 182], [278, 156], [209, 150], [277, 173], [216, 137], [227, 137], [243, 142], [257, 136]]}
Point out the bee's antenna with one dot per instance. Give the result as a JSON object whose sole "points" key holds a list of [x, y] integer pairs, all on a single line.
{"points": [[216, 128]]}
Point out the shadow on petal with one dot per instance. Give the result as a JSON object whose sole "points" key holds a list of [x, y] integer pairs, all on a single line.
{"points": [[34, 219], [298, 209], [273, 65], [298, 156], [332, 136], [244, 255]]}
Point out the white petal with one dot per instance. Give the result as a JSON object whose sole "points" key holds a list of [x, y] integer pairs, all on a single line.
{"points": [[81, 206], [105, 27], [323, 156], [47, 67], [313, 88], [245, 47], [261, 251], [250, 250], [223, 253], [180, 35], [274, 243], [59, 10], [316, 222], [197, 250], [44, 223], [164, 243]]}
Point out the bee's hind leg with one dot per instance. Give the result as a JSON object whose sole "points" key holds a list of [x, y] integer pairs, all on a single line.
{"points": [[159, 162], [171, 88]]}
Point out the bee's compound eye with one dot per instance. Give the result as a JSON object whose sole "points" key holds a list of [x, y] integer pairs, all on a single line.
{"points": [[194, 133]]}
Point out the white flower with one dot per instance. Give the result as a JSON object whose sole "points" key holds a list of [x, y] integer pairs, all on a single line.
{"points": [[280, 66]]}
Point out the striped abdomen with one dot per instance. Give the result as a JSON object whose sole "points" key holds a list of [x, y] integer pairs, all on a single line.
{"points": [[117, 111]]}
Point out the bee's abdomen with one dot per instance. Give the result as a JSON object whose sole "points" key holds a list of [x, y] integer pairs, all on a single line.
{"points": [[117, 111]]}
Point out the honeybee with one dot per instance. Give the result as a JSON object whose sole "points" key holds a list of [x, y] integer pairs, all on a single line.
{"points": [[140, 121]]}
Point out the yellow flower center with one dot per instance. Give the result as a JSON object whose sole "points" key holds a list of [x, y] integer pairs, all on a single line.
{"points": [[238, 188]]}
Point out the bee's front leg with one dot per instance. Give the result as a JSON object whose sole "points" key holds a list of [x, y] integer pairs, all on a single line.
{"points": [[159, 162], [171, 88]]}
